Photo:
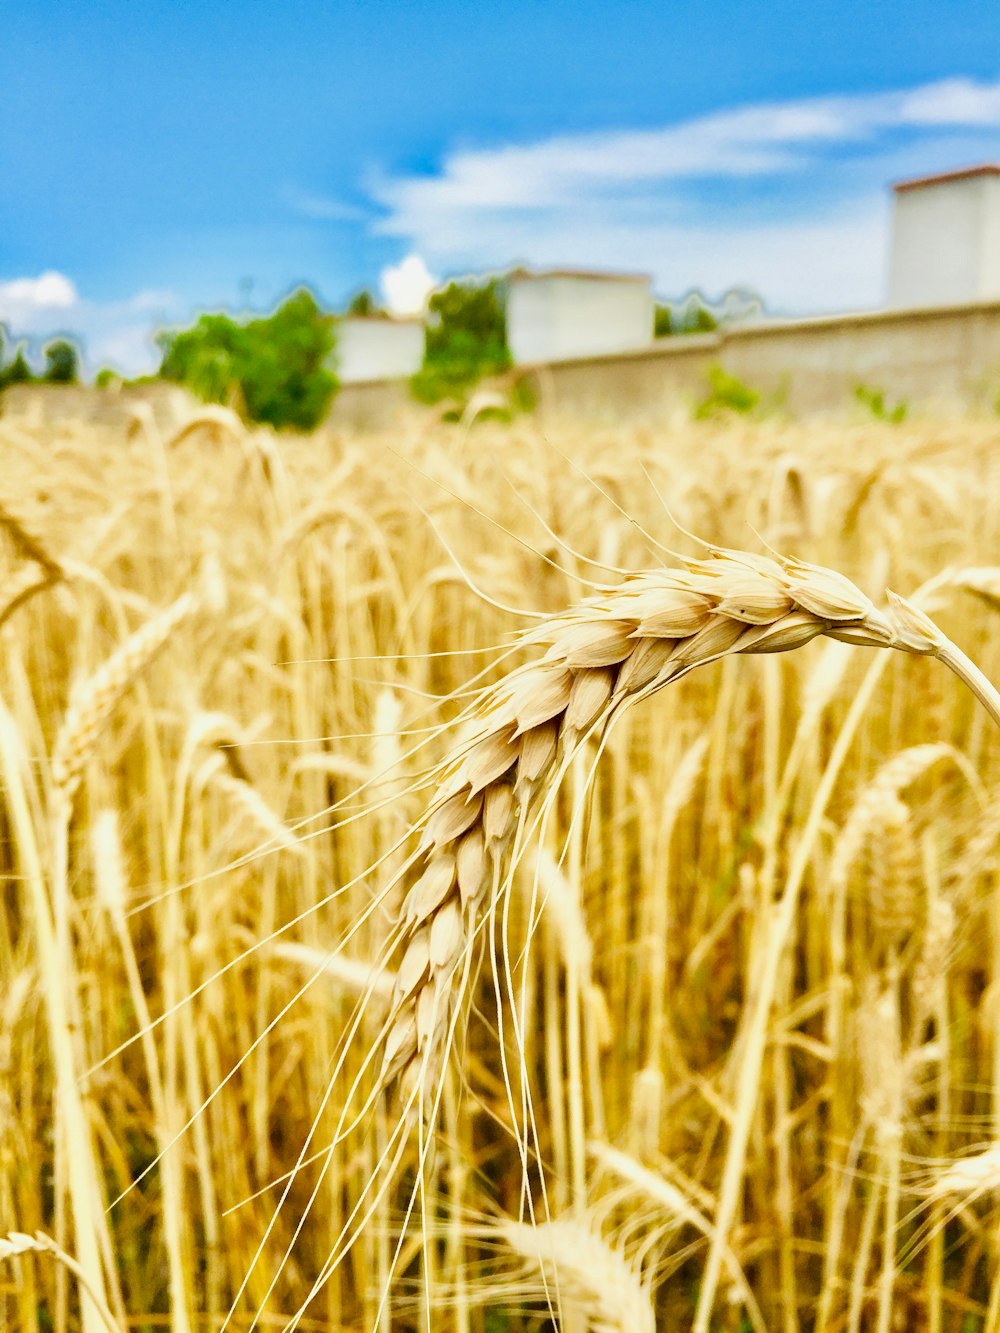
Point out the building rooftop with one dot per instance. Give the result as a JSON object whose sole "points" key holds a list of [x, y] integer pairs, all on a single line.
{"points": [[946, 177], [600, 275]]}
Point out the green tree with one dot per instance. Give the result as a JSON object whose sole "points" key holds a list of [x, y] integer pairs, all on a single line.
{"points": [[364, 304], [663, 320], [689, 316], [275, 369], [62, 363], [466, 340], [17, 371]]}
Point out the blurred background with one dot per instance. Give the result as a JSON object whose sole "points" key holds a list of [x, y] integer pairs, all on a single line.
{"points": [[357, 159]]}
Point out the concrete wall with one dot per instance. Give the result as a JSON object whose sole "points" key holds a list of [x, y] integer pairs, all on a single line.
{"points": [[942, 357], [371, 349], [945, 243], [37, 406], [555, 317], [374, 405]]}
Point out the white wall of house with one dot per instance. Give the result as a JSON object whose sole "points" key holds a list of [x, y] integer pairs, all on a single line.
{"points": [[946, 240], [375, 348], [559, 316]]}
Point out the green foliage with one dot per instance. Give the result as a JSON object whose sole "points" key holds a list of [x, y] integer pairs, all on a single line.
{"points": [[874, 400], [466, 341], [727, 393], [364, 304], [16, 371], [106, 377], [690, 316], [275, 369], [62, 363], [696, 318]]}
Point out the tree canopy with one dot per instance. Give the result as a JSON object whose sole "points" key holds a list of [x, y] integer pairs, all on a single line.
{"points": [[466, 340], [275, 369], [62, 362]]}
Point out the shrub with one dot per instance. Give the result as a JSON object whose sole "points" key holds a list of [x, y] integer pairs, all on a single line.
{"points": [[874, 400], [727, 393]]}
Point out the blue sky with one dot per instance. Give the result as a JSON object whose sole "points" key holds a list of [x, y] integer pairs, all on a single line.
{"points": [[158, 157]]}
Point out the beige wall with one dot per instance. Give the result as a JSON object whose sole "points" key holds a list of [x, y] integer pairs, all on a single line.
{"points": [[943, 357], [37, 405]]}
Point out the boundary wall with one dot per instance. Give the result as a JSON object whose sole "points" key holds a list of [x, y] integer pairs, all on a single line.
{"points": [[943, 358], [947, 357]]}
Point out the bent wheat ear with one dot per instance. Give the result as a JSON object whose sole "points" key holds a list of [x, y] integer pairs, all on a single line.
{"points": [[20, 588], [95, 699], [623, 644], [969, 1176], [31, 546], [585, 1274], [18, 1243]]}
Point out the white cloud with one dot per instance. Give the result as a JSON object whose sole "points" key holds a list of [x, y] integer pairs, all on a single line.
{"points": [[951, 102], [116, 333], [637, 198], [406, 286], [26, 303]]}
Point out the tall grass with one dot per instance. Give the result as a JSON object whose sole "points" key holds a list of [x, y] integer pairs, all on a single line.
{"points": [[229, 664]]}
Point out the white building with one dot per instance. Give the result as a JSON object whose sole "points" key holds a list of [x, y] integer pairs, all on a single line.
{"points": [[559, 315], [946, 239], [378, 347]]}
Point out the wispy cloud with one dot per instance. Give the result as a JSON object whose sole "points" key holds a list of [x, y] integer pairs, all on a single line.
{"points": [[27, 302], [323, 209], [649, 198]]}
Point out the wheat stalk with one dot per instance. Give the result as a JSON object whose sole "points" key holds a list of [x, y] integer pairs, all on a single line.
{"points": [[624, 644]]}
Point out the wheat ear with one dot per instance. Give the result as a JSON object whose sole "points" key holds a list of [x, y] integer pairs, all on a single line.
{"points": [[28, 542], [95, 699], [17, 1243], [622, 645], [20, 588], [582, 1270]]}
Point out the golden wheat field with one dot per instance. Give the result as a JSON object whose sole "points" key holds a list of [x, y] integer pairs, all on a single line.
{"points": [[685, 1017]]}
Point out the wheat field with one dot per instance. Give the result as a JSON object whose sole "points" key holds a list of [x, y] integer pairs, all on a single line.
{"points": [[726, 1055]]}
